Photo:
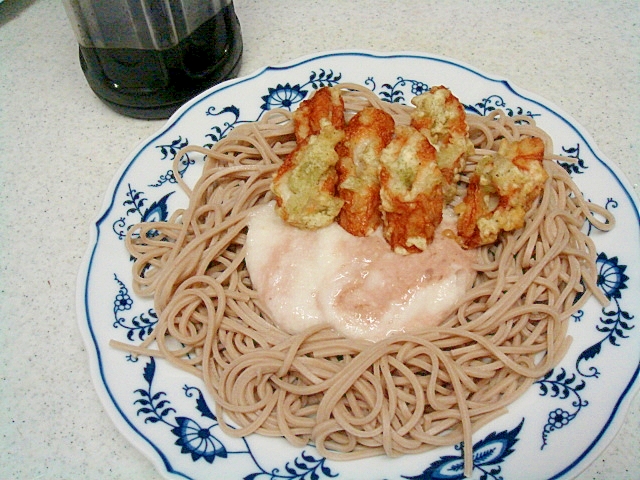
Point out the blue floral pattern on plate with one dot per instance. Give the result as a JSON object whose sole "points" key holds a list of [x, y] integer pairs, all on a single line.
{"points": [[167, 414]]}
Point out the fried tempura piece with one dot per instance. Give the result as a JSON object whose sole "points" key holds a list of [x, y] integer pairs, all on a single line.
{"points": [[440, 117], [366, 134], [501, 191], [325, 106], [411, 191], [305, 184]]}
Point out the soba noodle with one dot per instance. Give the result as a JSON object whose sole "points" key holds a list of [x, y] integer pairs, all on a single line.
{"points": [[354, 398]]}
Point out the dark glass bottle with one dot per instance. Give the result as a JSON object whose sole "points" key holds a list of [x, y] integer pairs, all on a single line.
{"points": [[153, 83]]}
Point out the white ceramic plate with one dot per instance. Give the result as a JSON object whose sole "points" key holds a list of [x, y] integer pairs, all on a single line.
{"points": [[554, 431]]}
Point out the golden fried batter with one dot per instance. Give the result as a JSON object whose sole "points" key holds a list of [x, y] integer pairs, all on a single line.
{"points": [[305, 184], [411, 191], [501, 191], [325, 106], [440, 117], [366, 134]]}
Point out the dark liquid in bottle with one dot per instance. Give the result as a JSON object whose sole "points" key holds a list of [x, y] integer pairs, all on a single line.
{"points": [[152, 84]]}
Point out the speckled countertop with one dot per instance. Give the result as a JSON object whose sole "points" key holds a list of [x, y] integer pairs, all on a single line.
{"points": [[60, 147]]}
